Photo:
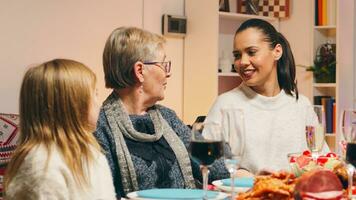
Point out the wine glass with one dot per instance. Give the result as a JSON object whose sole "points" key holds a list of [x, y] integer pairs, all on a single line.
{"points": [[233, 129], [206, 146], [348, 128], [315, 129]]}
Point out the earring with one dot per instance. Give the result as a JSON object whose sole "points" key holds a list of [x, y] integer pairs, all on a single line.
{"points": [[141, 88]]}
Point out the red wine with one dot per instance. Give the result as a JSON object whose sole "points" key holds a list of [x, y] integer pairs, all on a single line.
{"points": [[351, 153], [206, 152]]}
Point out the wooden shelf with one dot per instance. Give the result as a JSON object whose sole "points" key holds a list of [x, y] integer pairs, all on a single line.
{"points": [[324, 85], [228, 74], [243, 17], [325, 27]]}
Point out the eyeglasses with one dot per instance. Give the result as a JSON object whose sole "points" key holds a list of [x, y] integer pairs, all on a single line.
{"points": [[166, 65]]}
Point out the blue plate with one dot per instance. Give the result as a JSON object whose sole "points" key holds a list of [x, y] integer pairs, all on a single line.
{"points": [[175, 194], [239, 182]]}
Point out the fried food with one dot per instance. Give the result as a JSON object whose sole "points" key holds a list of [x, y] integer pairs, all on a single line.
{"points": [[278, 186], [341, 173], [281, 185]]}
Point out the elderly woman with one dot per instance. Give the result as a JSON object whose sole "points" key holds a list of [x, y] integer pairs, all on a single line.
{"points": [[145, 143]]}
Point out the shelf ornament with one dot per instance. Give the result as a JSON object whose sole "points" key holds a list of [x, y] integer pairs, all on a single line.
{"points": [[268, 8]]}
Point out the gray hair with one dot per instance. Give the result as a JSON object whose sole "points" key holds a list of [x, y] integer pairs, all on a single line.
{"points": [[124, 47]]}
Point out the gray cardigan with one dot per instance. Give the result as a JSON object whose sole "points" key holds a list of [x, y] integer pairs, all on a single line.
{"points": [[146, 171]]}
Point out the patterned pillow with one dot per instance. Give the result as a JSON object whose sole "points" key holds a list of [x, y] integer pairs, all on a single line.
{"points": [[9, 126]]}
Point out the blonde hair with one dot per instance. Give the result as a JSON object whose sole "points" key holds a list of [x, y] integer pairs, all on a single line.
{"points": [[55, 100], [124, 47]]}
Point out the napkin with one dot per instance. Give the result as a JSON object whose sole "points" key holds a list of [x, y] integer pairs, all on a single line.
{"points": [[175, 194], [239, 182]]}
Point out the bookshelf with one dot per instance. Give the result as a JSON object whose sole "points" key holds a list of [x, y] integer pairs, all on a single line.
{"points": [[325, 30]]}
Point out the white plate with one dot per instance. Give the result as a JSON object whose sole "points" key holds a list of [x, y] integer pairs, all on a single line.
{"points": [[135, 195], [220, 186]]}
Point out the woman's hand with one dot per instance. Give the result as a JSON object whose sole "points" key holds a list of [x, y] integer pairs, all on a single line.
{"points": [[243, 173]]}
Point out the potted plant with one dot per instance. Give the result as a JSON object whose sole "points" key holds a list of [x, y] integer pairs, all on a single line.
{"points": [[324, 67], [324, 72]]}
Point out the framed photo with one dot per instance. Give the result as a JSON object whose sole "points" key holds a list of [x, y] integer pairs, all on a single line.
{"points": [[224, 5]]}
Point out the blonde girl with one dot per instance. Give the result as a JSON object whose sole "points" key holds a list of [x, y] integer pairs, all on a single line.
{"points": [[57, 156]]}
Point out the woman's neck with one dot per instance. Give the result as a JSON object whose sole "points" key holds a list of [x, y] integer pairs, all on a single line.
{"points": [[133, 101], [268, 89]]}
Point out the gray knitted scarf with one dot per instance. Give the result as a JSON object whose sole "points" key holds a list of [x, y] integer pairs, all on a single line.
{"points": [[121, 125]]}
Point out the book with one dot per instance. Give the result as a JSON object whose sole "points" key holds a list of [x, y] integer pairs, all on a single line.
{"points": [[324, 13], [334, 117], [331, 12], [320, 9], [316, 15], [327, 103], [317, 99]]}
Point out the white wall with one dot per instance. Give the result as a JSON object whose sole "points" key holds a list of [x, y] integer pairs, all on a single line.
{"points": [[38, 30], [201, 58], [297, 29], [354, 56], [346, 54], [153, 11]]}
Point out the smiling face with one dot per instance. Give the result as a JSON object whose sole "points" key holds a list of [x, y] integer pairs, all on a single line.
{"points": [[155, 79], [255, 61]]}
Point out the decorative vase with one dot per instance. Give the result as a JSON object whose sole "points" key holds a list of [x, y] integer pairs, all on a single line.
{"points": [[325, 78], [225, 63]]}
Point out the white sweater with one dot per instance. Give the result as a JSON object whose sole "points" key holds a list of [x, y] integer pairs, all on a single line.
{"points": [[32, 181], [274, 126]]}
